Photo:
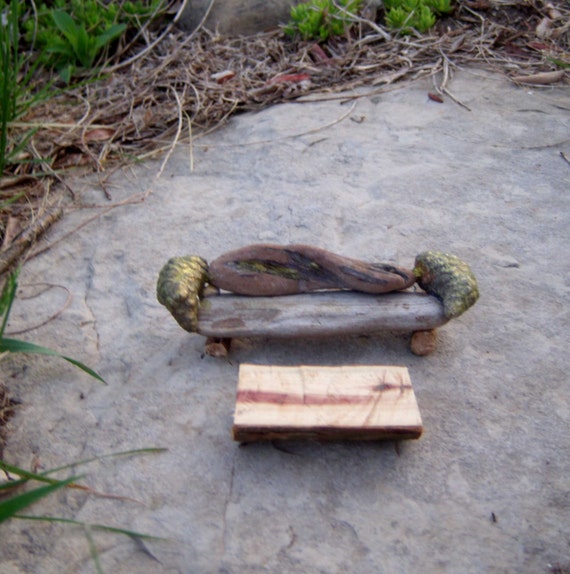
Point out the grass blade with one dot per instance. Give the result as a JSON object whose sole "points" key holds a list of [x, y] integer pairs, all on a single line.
{"points": [[17, 346], [9, 66], [109, 35], [8, 508], [152, 450], [26, 475], [93, 549], [7, 298], [12, 484], [130, 533], [12, 199]]}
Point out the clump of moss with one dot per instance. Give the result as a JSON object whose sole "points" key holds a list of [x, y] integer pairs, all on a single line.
{"points": [[179, 288], [449, 279]]}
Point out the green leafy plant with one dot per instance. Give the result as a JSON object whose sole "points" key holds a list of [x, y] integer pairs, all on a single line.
{"points": [[11, 506], [439, 6], [68, 35], [67, 43], [320, 19], [76, 44], [8, 345], [560, 63], [409, 15], [73, 35]]}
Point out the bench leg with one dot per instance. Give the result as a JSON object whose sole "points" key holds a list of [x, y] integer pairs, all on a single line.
{"points": [[217, 347], [423, 343]]}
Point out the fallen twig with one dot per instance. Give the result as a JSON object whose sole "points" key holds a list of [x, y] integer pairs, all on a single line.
{"points": [[29, 236]]}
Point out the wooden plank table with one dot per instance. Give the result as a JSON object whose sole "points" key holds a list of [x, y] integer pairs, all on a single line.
{"points": [[357, 402]]}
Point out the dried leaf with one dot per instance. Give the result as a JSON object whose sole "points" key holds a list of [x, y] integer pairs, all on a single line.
{"points": [[222, 77], [544, 28], [319, 54], [99, 134], [540, 79], [553, 12], [289, 79]]}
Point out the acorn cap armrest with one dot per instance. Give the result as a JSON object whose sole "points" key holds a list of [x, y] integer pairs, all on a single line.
{"points": [[180, 286], [449, 279]]}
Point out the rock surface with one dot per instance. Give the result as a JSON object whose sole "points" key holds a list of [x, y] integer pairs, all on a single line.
{"points": [[245, 17], [486, 487], [236, 17]]}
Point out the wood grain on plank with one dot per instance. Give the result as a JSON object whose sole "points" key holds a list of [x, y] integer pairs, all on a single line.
{"points": [[318, 314], [364, 402]]}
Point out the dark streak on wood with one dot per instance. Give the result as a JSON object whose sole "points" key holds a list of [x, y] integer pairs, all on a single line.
{"points": [[244, 396]]}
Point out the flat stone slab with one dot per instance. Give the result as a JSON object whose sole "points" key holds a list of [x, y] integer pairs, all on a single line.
{"points": [[381, 177]]}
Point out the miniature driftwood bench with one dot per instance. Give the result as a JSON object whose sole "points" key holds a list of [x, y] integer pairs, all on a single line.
{"points": [[303, 291]]}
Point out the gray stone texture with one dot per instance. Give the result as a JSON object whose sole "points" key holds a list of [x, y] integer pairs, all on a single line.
{"points": [[486, 488], [235, 18]]}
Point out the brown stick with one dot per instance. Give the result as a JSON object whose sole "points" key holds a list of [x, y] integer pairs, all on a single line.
{"points": [[10, 257]]}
